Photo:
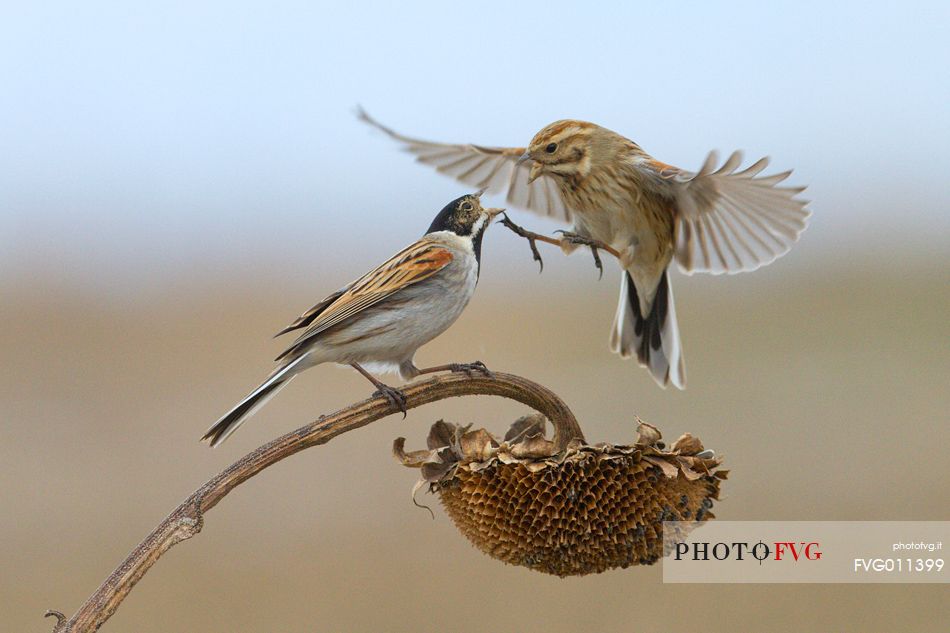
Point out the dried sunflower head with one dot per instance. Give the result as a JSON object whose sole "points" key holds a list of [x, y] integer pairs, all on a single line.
{"points": [[585, 510]]}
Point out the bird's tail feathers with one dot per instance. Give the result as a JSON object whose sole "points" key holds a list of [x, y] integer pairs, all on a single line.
{"points": [[230, 421], [655, 338]]}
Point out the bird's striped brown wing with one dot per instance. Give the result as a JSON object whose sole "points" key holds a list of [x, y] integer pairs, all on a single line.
{"points": [[409, 266], [730, 221], [495, 169]]}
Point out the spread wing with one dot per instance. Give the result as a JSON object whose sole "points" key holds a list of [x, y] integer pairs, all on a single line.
{"points": [[411, 265], [730, 221], [493, 168]]}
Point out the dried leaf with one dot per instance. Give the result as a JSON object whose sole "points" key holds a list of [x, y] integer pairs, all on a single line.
{"points": [[399, 449], [533, 448], [527, 426], [505, 457], [534, 467], [668, 469], [441, 434], [687, 445], [412, 459], [433, 472], [687, 470], [647, 434], [477, 445]]}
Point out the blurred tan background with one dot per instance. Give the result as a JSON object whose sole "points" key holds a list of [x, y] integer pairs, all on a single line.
{"points": [[180, 180], [825, 391]]}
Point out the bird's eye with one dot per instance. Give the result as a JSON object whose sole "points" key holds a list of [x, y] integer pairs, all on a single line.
{"points": [[467, 206], [551, 148]]}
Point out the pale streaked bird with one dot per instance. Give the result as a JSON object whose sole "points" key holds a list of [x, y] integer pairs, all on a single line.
{"points": [[644, 211], [383, 317]]}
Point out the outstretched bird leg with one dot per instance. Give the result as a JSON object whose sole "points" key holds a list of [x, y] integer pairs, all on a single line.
{"points": [[531, 236], [396, 398], [566, 238]]}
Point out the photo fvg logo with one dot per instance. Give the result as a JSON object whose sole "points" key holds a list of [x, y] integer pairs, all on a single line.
{"points": [[794, 551], [805, 551]]}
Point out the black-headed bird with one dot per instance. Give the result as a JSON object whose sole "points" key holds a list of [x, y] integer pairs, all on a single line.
{"points": [[383, 317]]}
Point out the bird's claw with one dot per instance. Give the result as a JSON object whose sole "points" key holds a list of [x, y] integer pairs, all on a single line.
{"points": [[395, 397], [599, 264], [528, 235], [471, 368], [594, 245], [507, 223]]}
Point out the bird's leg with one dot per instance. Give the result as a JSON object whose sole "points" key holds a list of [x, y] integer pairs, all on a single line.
{"points": [[468, 368], [396, 398], [574, 239], [567, 242], [531, 236]]}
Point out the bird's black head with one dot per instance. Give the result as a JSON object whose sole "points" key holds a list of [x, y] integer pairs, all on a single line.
{"points": [[465, 217]]}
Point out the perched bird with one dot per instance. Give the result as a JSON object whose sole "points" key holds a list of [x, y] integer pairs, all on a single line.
{"points": [[645, 212], [383, 317]]}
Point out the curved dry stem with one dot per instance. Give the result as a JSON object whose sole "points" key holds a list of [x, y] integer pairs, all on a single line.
{"points": [[186, 520]]}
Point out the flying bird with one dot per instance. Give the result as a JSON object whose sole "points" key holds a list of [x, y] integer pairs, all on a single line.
{"points": [[383, 317], [644, 211]]}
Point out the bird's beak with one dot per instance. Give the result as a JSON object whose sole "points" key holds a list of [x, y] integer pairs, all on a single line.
{"points": [[536, 170], [492, 213], [524, 157]]}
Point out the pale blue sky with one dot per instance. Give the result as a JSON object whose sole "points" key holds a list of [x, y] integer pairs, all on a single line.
{"points": [[142, 141]]}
